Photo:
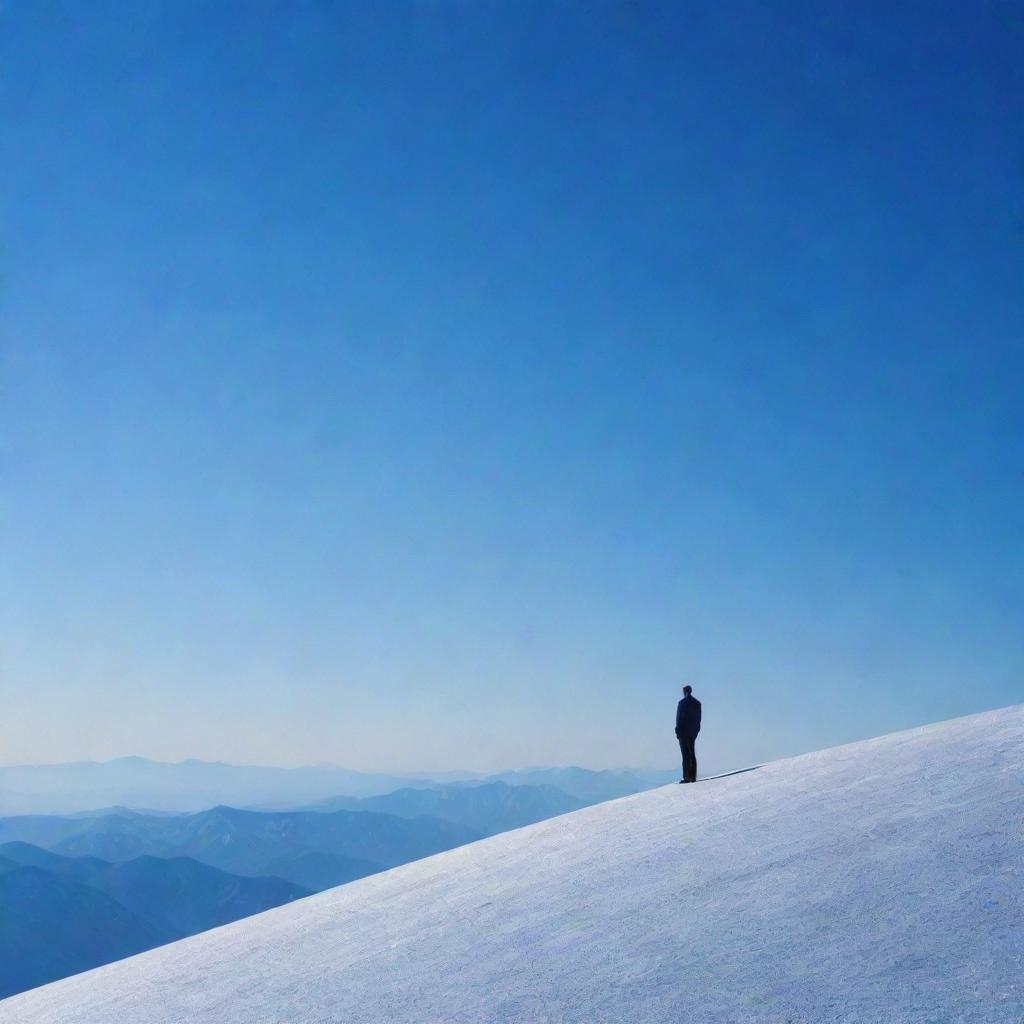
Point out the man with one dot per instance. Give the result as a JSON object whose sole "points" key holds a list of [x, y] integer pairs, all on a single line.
{"points": [[687, 727]]}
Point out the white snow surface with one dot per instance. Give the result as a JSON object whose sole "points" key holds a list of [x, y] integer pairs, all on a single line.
{"points": [[871, 883]]}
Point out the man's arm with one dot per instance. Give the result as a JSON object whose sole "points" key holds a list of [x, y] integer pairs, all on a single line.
{"points": [[679, 719]]}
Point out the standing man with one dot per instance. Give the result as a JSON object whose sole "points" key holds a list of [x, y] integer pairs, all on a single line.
{"points": [[687, 727]]}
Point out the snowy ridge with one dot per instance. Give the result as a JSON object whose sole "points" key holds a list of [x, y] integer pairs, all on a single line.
{"points": [[871, 883]]}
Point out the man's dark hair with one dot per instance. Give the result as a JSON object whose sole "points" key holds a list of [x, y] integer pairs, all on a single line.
{"points": [[687, 690]]}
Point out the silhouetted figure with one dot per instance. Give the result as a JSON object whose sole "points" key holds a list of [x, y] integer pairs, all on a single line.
{"points": [[687, 727]]}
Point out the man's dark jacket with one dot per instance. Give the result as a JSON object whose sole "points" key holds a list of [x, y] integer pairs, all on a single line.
{"points": [[688, 718]]}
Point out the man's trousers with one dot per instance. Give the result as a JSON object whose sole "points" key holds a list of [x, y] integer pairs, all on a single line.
{"points": [[687, 745]]}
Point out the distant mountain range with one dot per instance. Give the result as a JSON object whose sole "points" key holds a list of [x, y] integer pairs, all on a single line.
{"points": [[189, 786], [592, 787], [61, 915], [314, 850], [183, 786], [486, 808]]}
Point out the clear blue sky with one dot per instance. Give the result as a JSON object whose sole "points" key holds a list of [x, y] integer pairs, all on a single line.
{"points": [[442, 384]]}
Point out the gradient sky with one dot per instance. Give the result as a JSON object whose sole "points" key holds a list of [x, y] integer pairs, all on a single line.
{"points": [[442, 384]]}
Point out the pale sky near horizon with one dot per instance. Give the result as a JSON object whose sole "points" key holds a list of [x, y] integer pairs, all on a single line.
{"points": [[439, 385]]}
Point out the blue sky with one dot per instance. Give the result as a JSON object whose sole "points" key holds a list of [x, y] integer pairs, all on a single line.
{"points": [[433, 384]]}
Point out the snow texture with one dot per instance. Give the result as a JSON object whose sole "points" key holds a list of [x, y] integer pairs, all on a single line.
{"points": [[872, 883]]}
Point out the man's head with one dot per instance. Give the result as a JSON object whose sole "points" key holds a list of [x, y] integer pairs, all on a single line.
{"points": [[687, 690]]}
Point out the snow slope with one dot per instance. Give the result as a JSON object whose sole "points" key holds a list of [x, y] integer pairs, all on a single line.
{"points": [[872, 883]]}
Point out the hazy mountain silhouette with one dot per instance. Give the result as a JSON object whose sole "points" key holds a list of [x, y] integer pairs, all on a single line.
{"points": [[183, 786], [585, 784], [78, 869], [301, 847], [51, 927], [487, 808], [319, 869], [62, 915], [156, 787]]}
